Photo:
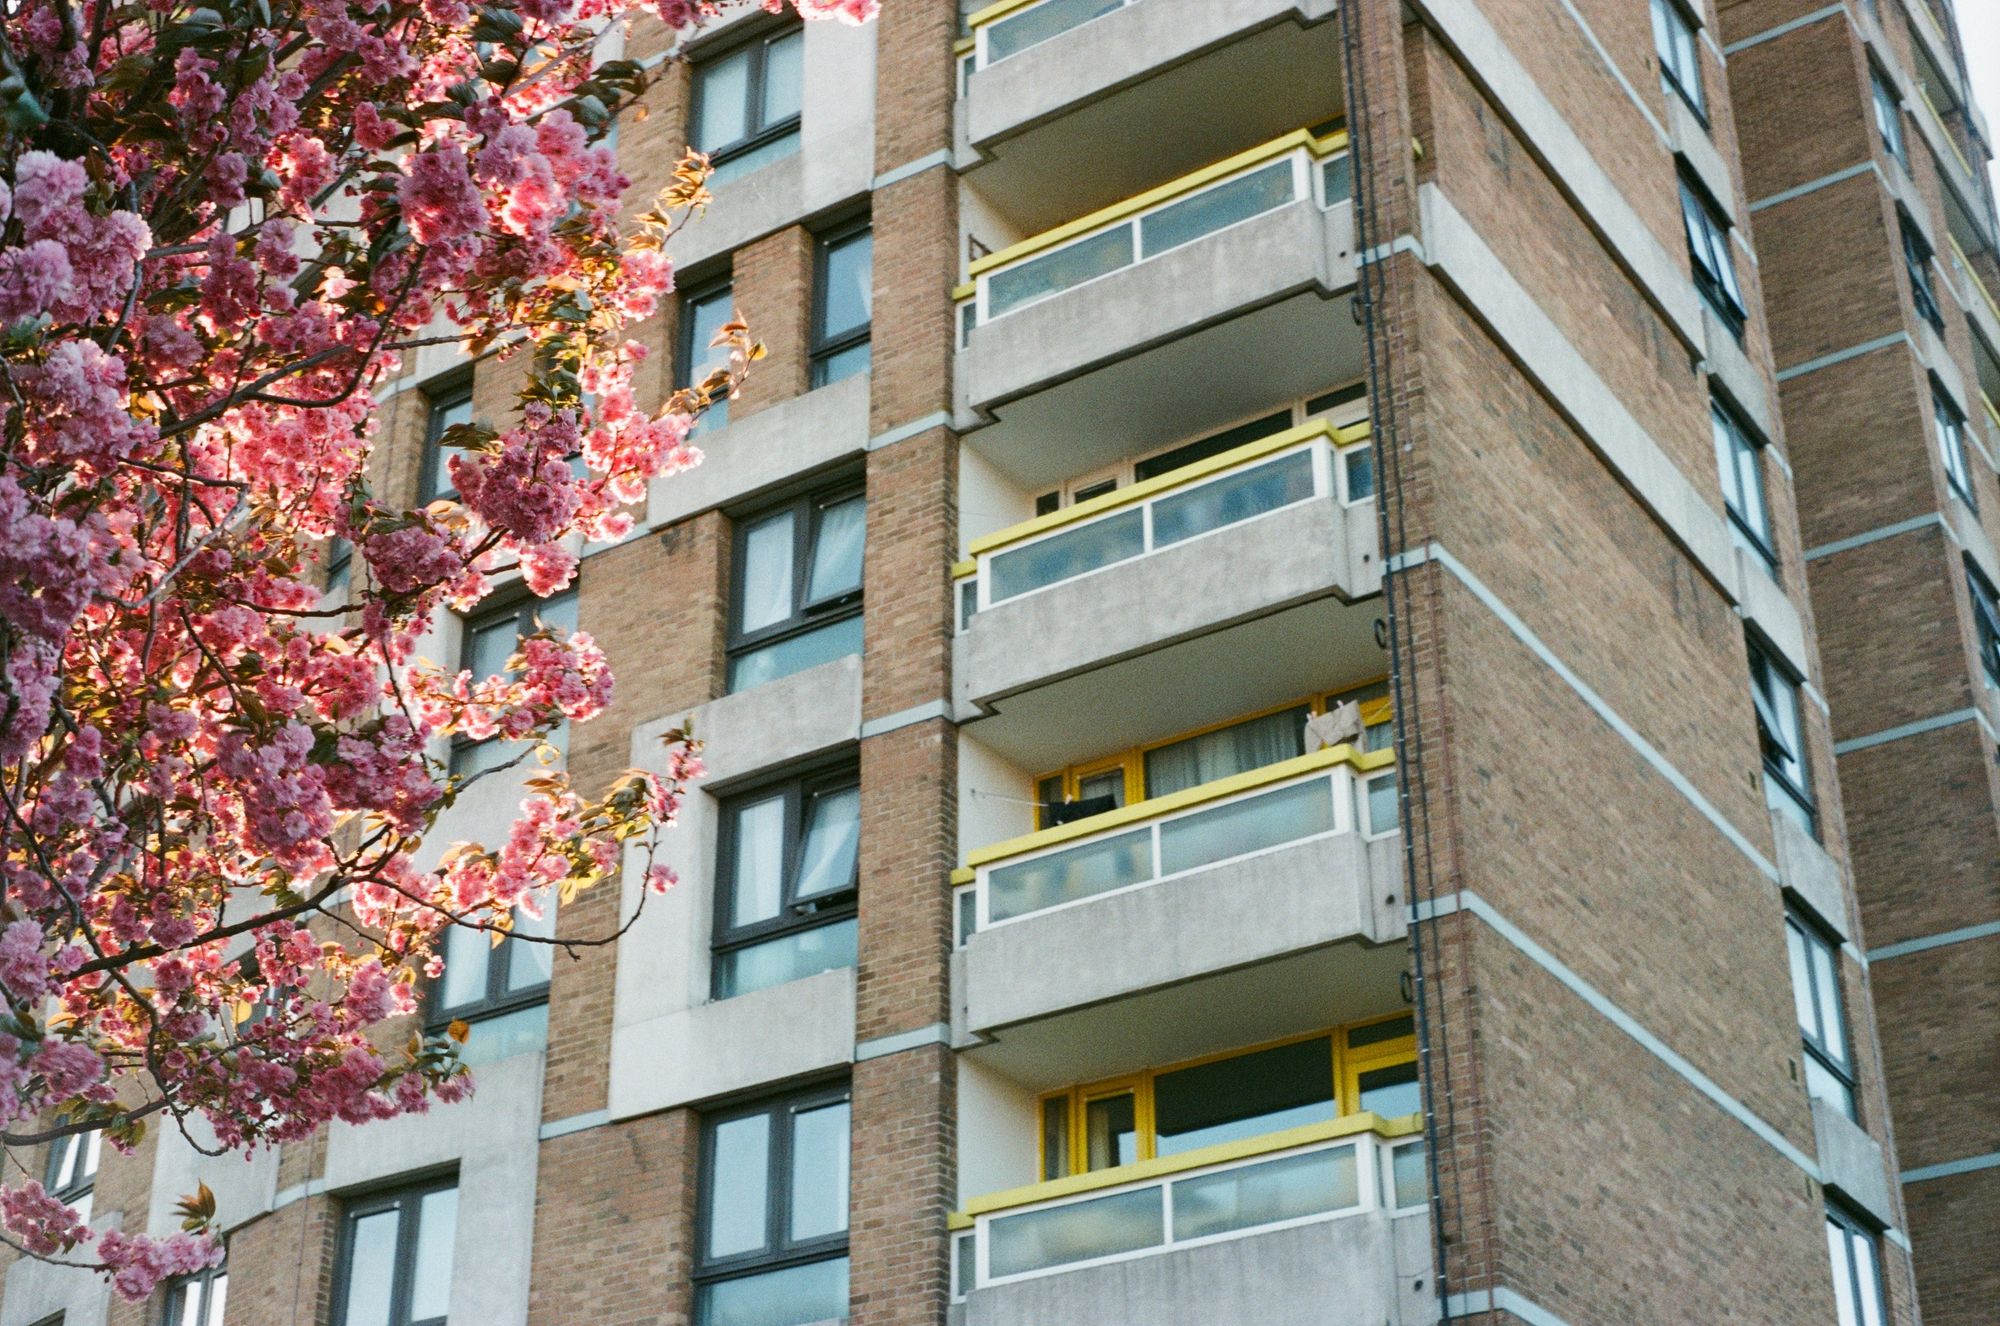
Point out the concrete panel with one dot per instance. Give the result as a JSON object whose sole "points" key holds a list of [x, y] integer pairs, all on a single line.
{"points": [[730, 1045], [1260, 566], [789, 439], [492, 1139], [1256, 262], [243, 1186], [1762, 602], [1731, 371], [1850, 1163], [835, 161], [37, 1290], [1416, 1291], [1287, 901], [1690, 139], [1810, 878], [1342, 1267]]}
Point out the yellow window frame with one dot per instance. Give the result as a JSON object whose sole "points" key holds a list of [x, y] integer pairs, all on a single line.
{"points": [[1380, 710], [1348, 1065]]}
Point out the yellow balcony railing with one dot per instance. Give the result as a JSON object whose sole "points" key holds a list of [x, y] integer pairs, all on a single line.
{"points": [[1296, 167], [1322, 1171], [1335, 790], [1255, 479], [1012, 26], [1972, 279]]}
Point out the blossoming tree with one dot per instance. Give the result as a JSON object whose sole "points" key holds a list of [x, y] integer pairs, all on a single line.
{"points": [[223, 224]]}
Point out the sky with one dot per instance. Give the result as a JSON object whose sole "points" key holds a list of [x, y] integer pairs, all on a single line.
{"points": [[1979, 25]]}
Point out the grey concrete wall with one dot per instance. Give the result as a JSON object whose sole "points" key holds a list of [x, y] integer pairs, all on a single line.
{"points": [[37, 1290], [244, 1187], [791, 438], [1286, 901], [1255, 262], [1850, 1163], [1763, 603], [1733, 372], [1810, 878], [1343, 1268], [1301, 552]]}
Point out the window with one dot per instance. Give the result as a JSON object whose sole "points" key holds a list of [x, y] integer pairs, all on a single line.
{"points": [[1888, 115], [339, 568], [1857, 1269], [394, 1265], [1787, 779], [485, 982], [1226, 1098], [1738, 459], [71, 1173], [789, 869], [1951, 443], [447, 407], [1203, 756], [1816, 990], [1680, 54], [772, 1240], [797, 599], [747, 101], [1714, 267], [1986, 620], [1917, 262], [197, 1300], [703, 313], [491, 638], [843, 296]]}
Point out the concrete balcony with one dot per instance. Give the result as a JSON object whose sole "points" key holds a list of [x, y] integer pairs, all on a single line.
{"points": [[1227, 914], [1223, 545], [1061, 93], [1130, 307], [1850, 1162], [1244, 1232]]}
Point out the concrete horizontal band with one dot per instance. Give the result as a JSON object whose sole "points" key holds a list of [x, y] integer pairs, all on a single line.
{"points": [[1842, 356], [1771, 34], [1925, 943], [1474, 1302], [940, 157], [1951, 1168], [1910, 526], [1814, 186], [904, 432], [575, 1123], [921, 713], [881, 1047], [1915, 729]]}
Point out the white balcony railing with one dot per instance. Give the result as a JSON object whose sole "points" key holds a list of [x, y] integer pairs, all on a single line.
{"points": [[1302, 1175], [1286, 170], [1311, 796], [1012, 26], [1241, 484]]}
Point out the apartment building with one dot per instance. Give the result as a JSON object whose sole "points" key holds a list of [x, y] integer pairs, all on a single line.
{"points": [[1860, 140], [1270, 752]]}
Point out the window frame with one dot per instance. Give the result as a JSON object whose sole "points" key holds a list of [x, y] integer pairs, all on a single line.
{"points": [[1348, 1063], [525, 608], [1744, 441], [1837, 1061], [1986, 620], [779, 1252], [823, 346], [498, 1000], [203, 1284], [84, 1183], [1852, 1227], [759, 135], [451, 390], [798, 790], [1918, 255], [1888, 115], [688, 355], [1720, 287], [1695, 97], [807, 616], [407, 1201], [1764, 660], [1949, 421]]}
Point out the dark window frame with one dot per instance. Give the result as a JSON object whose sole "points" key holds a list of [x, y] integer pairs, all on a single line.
{"points": [[1721, 288], [1695, 97], [1853, 1227], [498, 1000], [202, 1284], [806, 615], [825, 346], [1837, 1061], [1949, 421], [1888, 114], [440, 396], [1765, 661], [1917, 259], [798, 791], [89, 1159], [339, 562], [779, 1253], [1743, 436], [759, 135], [524, 607], [1986, 619], [407, 1201]]}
